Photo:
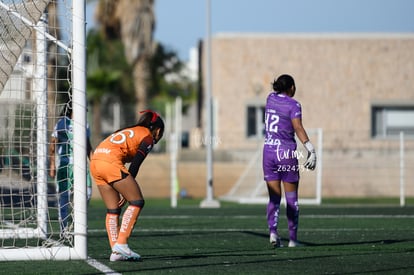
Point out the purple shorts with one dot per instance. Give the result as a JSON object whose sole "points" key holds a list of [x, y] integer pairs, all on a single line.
{"points": [[280, 163]]}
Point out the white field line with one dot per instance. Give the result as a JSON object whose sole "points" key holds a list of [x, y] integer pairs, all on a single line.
{"points": [[101, 267], [174, 217], [183, 230]]}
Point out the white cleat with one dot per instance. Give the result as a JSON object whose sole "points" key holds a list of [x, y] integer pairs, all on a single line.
{"points": [[121, 252], [275, 240], [293, 243], [115, 257]]}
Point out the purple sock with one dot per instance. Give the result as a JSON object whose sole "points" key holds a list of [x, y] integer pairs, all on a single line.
{"points": [[292, 213], [273, 213]]}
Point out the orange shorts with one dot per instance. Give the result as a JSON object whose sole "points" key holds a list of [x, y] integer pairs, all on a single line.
{"points": [[104, 172]]}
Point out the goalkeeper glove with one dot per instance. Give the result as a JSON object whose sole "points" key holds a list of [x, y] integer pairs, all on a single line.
{"points": [[310, 163]]}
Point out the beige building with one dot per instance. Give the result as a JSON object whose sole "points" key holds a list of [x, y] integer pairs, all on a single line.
{"points": [[357, 88], [344, 81]]}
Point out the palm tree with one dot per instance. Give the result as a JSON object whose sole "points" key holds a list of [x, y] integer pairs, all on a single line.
{"points": [[133, 21], [108, 74]]}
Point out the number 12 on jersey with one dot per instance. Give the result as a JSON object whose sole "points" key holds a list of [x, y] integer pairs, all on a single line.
{"points": [[271, 121]]}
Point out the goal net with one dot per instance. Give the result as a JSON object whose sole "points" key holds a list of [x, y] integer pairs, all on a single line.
{"points": [[42, 66], [250, 188]]}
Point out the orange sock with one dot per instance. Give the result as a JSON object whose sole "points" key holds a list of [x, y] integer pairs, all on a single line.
{"points": [[112, 227], [128, 222]]}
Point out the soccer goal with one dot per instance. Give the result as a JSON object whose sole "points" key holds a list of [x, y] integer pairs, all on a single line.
{"points": [[250, 188], [42, 65]]}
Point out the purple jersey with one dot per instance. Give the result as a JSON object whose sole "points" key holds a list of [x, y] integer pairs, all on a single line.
{"points": [[279, 153], [280, 110]]}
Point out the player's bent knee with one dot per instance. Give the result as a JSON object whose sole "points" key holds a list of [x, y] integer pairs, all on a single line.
{"points": [[116, 211], [138, 203]]}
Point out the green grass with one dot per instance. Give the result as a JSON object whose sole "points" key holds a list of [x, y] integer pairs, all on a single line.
{"points": [[341, 237]]}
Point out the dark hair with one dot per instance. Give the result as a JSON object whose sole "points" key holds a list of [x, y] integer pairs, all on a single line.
{"points": [[151, 120], [283, 83]]}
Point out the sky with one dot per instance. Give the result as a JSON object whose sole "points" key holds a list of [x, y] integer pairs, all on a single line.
{"points": [[180, 24]]}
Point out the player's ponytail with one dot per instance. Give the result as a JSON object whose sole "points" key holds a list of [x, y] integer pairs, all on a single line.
{"points": [[283, 83], [151, 120]]}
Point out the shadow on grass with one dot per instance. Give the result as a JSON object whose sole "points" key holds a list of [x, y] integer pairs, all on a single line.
{"points": [[241, 260], [310, 244], [261, 261]]}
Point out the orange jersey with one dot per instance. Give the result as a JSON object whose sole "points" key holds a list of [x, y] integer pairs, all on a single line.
{"points": [[123, 145]]}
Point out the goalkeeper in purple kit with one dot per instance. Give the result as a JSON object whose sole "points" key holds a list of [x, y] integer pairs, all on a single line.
{"points": [[283, 119]]}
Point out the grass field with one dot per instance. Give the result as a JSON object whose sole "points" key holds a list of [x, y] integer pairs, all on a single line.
{"points": [[340, 239]]}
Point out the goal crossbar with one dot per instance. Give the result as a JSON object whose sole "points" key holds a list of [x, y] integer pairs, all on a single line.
{"points": [[10, 53], [41, 253], [36, 27]]}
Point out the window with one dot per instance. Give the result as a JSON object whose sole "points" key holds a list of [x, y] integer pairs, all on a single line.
{"points": [[389, 121], [255, 121]]}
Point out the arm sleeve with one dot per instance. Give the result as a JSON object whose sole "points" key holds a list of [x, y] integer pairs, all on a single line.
{"points": [[144, 148], [296, 111]]}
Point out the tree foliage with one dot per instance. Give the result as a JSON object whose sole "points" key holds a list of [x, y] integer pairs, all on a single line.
{"points": [[168, 79], [108, 72], [109, 75]]}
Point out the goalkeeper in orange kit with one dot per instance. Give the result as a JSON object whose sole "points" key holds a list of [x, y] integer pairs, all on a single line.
{"points": [[117, 184]]}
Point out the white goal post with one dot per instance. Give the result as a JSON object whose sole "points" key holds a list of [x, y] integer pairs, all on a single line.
{"points": [[29, 212]]}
